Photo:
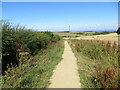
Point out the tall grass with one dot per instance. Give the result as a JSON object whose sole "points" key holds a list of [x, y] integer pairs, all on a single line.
{"points": [[105, 59]]}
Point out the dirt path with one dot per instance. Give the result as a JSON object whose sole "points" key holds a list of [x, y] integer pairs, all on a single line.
{"points": [[66, 74]]}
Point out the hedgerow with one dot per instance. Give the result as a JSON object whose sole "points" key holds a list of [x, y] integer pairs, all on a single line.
{"points": [[18, 40]]}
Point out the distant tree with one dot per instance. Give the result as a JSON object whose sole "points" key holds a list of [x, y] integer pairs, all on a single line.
{"points": [[118, 31]]}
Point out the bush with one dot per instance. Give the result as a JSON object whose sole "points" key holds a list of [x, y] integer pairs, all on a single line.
{"points": [[18, 39], [118, 31], [9, 50], [38, 42]]}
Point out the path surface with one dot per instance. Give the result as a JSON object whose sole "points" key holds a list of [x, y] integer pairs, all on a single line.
{"points": [[66, 73]]}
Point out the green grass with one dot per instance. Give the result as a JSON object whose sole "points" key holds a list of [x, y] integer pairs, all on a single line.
{"points": [[36, 71], [97, 64]]}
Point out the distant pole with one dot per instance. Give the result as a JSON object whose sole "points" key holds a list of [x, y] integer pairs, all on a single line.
{"points": [[69, 28]]}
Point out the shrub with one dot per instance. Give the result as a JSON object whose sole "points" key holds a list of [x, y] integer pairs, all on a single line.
{"points": [[18, 39], [9, 50], [118, 31], [38, 42]]}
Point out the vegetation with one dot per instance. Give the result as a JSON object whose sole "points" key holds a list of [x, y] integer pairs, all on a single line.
{"points": [[92, 33], [66, 34], [118, 31], [28, 57], [35, 71], [70, 36], [17, 40], [98, 64], [82, 33]]}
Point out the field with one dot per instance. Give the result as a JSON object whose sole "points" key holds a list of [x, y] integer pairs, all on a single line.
{"points": [[112, 37], [103, 36]]}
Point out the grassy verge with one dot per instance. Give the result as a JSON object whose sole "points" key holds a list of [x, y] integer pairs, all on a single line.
{"points": [[36, 71], [98, 64]]}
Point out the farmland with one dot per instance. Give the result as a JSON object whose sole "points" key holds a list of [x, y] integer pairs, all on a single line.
{"points": [[103, 36]]}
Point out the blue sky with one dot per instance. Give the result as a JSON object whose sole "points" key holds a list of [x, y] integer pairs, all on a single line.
{"points": [[60, 0], [59, 15]]}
